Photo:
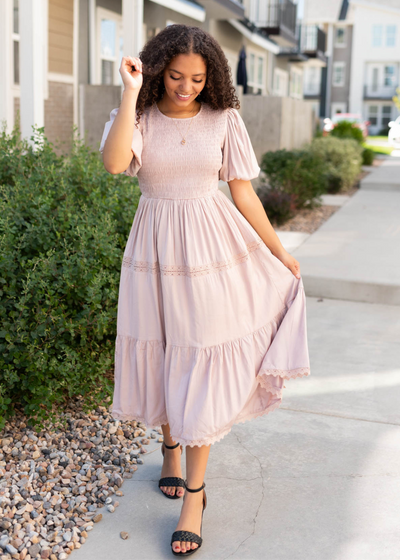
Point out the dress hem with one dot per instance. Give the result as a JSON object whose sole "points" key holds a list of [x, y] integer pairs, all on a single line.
{"points": [[217, 436]]}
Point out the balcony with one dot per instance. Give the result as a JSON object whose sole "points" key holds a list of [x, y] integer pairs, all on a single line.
{"points": [[312, 42], [278, 19], [375, 91], [223, 9]]}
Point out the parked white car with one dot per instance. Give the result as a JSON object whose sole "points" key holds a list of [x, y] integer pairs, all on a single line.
{"points": [[394, 133]]}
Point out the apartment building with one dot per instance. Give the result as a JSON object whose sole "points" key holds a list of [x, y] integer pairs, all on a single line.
{"points": [[59, 59], [363, 51]]}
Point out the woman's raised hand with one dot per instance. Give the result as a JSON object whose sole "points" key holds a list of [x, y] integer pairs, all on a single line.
{"points": [[133, 79]]}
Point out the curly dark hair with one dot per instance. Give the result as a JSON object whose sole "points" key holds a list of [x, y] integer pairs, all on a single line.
{"points": [[175, 39]]}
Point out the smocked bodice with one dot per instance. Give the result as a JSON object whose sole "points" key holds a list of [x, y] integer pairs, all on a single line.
{"points": [[216, 147]]}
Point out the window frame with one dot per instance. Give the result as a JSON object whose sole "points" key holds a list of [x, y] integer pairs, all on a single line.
{"points": [[308, 71], [394, 27], [279, 73], [376, 27], [103, 13], [296, 83], [253, 70], [342, 45], [342, 66]]}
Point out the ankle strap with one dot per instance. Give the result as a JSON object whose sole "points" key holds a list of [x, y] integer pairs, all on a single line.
{"points": [[196, 490], [171, 446]]}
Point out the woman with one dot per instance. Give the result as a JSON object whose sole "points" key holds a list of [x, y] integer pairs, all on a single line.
{"points": [[211, 312]]}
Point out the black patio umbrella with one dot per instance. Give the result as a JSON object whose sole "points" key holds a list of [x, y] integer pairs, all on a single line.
{"points": [[241, 75]]}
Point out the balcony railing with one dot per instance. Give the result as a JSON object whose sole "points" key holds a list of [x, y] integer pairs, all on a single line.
{"points": [[375, 91], [279, 19], [311, 39]]}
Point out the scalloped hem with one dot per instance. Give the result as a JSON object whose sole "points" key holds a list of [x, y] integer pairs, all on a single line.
{"points": [[221, 434]]}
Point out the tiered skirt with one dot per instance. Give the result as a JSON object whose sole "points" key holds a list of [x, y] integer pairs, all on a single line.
{"points": [[210, 323]]}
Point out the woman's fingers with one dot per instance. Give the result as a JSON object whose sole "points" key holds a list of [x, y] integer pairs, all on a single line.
{"points": [[295, 268]]}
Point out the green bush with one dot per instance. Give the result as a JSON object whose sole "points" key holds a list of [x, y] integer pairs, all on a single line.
{"points": [[341, 161], [64, 222], [278, 205], [298, 173], [347, 129], [368, 156]]}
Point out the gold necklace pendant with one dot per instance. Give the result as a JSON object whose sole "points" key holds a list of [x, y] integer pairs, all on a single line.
{"points": [[183, 141]]}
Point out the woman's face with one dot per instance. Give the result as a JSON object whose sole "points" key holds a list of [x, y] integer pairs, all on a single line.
{"points": [[184, 78]]}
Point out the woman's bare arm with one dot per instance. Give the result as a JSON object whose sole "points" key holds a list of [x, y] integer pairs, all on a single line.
{"points": [[249, 205], [117, 152]]}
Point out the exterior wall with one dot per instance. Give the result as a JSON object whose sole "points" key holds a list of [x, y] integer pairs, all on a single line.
{"points": [[156, 16], [59, 113], [363, 51], [274, 123], [98, 102], [340, 94], [61, 30]]}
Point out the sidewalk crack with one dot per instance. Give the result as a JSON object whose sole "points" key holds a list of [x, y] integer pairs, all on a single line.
{"points": [[261, 499]]}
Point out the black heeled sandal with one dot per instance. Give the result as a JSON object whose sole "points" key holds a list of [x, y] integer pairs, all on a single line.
{"points": [[171, 480], [188, 536]]}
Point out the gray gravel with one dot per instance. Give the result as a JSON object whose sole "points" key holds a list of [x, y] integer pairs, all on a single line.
{"points": [[53, 482]]}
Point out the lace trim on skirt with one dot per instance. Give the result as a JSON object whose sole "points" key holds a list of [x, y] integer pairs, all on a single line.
{"points": [[182, 270]]}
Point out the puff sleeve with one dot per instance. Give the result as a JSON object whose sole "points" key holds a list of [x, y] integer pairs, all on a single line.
{"points": [[137, 145], [238, 158]]}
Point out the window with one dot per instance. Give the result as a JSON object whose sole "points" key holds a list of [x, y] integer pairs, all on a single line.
{"points": [[340, 37], [390, 35], [375, 79], [256, 71], [312, 79], [110, 45], [389, 74], [377, 33], [338, 74], [280, 82], [373, 114], [15, 39], [386, 115], [296, 79]]}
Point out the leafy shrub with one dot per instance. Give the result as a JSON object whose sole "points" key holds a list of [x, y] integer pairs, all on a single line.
{"points": [[347, 129], [298, 173], [278, 205], [341, 161], [64, 222], [368, 156]]}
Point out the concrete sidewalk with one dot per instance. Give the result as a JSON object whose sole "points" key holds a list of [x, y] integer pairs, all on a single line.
{"points": [[386, 177], [354, 255], [318, 479]]}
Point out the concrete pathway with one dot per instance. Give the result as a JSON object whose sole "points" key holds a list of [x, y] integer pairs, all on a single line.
{"points": [[318, 479], [355, 254], [386, 177]]}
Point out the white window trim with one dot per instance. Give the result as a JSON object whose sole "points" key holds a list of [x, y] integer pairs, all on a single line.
{"points": [[344, 44], [299, 73], [386, 35], [339, 65], [382, 36], [257, 55], [102, 13], [306, 81], [285, 75]]}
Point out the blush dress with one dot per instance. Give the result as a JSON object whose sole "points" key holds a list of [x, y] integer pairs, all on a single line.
{"points": [[210, 323]]}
